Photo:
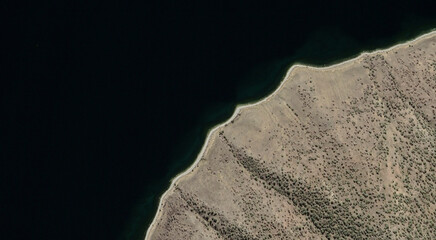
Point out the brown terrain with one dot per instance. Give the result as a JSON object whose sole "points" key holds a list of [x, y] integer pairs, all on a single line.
{"points": [[343, 152]]}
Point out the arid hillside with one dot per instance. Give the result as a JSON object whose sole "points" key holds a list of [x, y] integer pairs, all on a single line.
{"points": [[344, 152]]}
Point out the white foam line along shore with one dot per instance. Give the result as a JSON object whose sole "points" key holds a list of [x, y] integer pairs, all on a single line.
{"points": [[239, 107]]}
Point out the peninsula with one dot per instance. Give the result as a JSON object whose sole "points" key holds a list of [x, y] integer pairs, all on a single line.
{"points": [[341, 152]]}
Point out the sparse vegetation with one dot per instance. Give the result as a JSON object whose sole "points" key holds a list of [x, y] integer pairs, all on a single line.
{"points": [[341, 153]]}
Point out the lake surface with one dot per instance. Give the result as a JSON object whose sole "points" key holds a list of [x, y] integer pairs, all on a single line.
{"points": [[111, 101]]}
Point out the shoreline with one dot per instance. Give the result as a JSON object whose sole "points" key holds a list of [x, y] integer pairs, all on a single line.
{"points": [[239, 107]]}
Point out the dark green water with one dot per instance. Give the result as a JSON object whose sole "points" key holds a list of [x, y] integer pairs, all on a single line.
{"points": [[324, 47], [111, 101]]}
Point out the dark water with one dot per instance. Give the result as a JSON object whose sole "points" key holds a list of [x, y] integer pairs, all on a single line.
{"points": [[106, 102]]}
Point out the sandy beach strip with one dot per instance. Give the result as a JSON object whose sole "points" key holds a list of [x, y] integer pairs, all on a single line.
{"points": [[205, 146]]}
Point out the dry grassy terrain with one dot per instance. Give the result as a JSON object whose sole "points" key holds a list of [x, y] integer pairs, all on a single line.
{"points": [[345, 152]]}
